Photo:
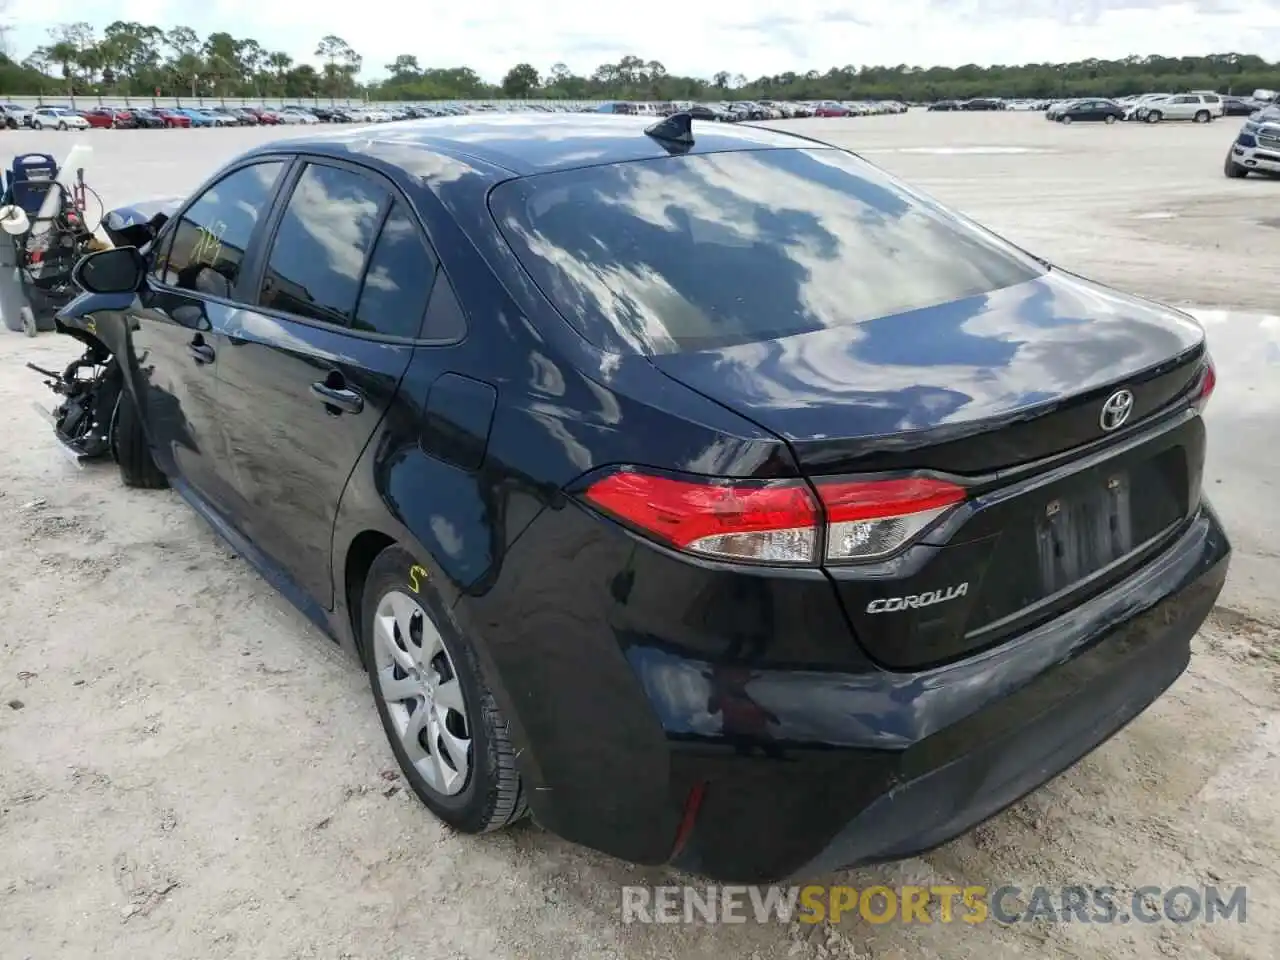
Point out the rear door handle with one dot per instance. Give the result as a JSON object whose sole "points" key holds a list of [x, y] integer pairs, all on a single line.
{"points": [[200, 352], [337, 399]]}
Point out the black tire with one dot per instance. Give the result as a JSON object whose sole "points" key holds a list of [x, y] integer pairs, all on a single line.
{"points": [[1155, 116], [130, 450], [1233, 170], [1111, 118], [493, 796], [1203, 116]]}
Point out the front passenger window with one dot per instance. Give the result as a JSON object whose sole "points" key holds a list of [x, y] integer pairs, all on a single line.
{"points": [[206, 247]]}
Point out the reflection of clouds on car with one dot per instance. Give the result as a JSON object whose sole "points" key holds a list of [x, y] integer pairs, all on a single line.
{"points": [[802, 239]]}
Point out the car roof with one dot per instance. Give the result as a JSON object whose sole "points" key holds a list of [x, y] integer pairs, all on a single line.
{"points": [[525, 144]]}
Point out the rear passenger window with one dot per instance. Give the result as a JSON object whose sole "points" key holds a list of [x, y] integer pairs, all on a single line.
{"points": [[398, 283], [318, 255], [205, 248]]}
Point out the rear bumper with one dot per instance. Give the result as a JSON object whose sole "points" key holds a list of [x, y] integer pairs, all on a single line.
{"points": [[649, 680], [999, 726]]}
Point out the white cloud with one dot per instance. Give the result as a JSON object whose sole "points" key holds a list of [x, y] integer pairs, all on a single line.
{"points": [[699, 37]]}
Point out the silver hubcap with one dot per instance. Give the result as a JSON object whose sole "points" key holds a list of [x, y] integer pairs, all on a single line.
{"points": [[419, 685]]}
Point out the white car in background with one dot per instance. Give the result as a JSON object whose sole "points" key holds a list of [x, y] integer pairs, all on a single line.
{"points": [[15, 115], [296, 115], [374, 115], [59, 118], [1198, 107]]}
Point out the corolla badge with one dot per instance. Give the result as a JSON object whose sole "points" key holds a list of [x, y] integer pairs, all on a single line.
{"points": [[916, 600], [1116, 410]]}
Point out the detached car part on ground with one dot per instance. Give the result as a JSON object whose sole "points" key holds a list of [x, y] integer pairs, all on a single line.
{"points": [[724, 502], [1256, 148]]}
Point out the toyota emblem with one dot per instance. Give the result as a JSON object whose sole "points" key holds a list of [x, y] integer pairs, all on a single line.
{"points": [[1116, 410]]}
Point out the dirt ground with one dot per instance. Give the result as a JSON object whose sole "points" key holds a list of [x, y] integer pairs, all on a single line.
{"points": [[188, 770]]}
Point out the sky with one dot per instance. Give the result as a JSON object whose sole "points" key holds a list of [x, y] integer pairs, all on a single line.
{"points": [[700, 37]]}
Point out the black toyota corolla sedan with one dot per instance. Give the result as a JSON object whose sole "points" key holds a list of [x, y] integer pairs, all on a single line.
{"points": [[703, 490]]}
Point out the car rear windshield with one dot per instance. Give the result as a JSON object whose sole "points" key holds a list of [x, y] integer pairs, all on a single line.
{"points": [[708, 250]]}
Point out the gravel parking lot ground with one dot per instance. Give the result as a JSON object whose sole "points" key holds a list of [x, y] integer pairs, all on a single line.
{"points": [[188, 770]]}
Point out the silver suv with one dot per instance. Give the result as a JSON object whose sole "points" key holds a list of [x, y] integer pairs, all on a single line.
{"points": [[14, 116], [1200, 107], [1257, 146]]}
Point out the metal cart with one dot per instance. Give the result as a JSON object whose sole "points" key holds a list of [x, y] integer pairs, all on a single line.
{"points": [[44, 237]]}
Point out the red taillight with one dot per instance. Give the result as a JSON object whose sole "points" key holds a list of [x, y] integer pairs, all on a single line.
{"points": [[1208, 381], [871, 518], [776, 521]]}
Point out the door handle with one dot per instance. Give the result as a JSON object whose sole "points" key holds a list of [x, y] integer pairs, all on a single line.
{"points": [[200, 351], [337, 399]]}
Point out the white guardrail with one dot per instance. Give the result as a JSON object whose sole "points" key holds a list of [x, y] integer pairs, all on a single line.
{"points": [[94, 100]]}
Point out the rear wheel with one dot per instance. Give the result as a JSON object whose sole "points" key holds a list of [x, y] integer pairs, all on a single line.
{"points": [[1111, 118], [439, 716], [1203, 116], [129, 447]]}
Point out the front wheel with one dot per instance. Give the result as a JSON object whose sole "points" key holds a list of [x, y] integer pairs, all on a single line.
{"points": [[1233, 170], [129, 447], [62, 125], [1155, 116], [1066, 119], [439, 716]]}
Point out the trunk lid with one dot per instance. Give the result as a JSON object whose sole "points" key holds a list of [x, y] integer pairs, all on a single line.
{"points": [[1006, 391]]}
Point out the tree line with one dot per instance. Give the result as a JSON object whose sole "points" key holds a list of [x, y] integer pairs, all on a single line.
{"points": [[139, 60]]}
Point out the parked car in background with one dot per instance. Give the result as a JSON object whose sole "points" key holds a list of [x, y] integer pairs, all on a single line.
{"points": [[109, 117], [1197, 107], [1238, 106], [172, 117], [58, 118], [829, 108], [98, 120], [1091, 111], [148, 119], [1134, 105], [231, 115], [709, 111], [15, 115], [944, 106], [1256, 148], [198, 118], [298, 115], [983, 103]]}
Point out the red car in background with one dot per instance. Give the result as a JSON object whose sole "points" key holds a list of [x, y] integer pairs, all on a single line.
{"points": [[172, 119], [99, 117], [264, 116], [830, 109]]}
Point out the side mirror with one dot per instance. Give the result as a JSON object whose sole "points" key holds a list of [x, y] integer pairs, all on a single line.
{"points": [[118, 270]]}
